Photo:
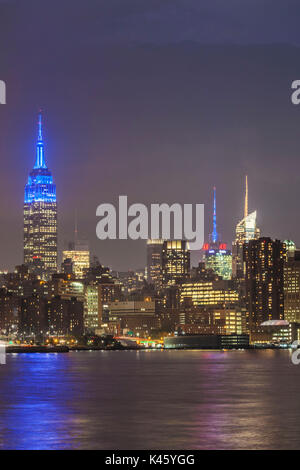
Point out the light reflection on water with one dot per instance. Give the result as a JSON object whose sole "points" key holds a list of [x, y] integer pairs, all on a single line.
{"points": [[150, 399]]}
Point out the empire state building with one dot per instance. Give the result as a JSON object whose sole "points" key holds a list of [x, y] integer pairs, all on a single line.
{"points": [[40, 216]]}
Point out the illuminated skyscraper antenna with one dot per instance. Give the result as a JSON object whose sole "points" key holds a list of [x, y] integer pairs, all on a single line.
{"points": [[246, 199], [40, 136], [76, 230], [40, 159], [215, 233]]}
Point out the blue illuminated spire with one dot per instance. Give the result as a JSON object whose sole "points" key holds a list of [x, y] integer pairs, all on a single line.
{"points": [[40, 186], [215, 235], [40, 158]]}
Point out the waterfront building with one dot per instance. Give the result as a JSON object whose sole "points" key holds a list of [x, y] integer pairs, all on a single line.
{"points": [[40, 216], [33, 320], [65, 317], [207, 341], [275, 332], [9, 312], [292, 284], [137, 317]]}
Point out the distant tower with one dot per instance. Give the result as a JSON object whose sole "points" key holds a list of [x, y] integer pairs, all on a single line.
{"points": [[215, 233], [246, 230], [78, 253], [216, 256], [246, 199], [40, 216]]}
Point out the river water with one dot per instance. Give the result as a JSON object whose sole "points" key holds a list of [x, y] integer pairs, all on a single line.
{"points": [[150, 400]]}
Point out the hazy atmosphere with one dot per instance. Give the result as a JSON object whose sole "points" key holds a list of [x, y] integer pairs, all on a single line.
{"points": [[159, 100]]}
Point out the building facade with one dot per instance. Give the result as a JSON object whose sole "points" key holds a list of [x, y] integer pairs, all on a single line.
{"points": [[208, 293], [219, 260], [292, 287], [175, 262], [154, 263], [40, 216], [264, 262], [79, 256], [217, 257]]}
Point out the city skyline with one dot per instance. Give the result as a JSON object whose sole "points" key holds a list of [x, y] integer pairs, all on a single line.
{"points": [[150, 238], [211, 232]]}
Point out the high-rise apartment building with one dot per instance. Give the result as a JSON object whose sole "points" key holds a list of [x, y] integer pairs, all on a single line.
{"points": [[292, 284], [40, 216], [264, 263]]}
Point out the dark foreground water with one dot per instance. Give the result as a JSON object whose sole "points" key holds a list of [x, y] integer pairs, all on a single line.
{"points": [[150, 400]]}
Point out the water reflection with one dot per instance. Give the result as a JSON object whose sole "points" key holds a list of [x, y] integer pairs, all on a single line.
{"points": [[150, 399]]}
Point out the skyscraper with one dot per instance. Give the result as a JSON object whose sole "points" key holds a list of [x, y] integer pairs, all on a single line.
{"points": [[246, 230], [154, 262], [216, 255], [40, 216], [264, 262], [175, 262], [292, 283], [79, 255]]}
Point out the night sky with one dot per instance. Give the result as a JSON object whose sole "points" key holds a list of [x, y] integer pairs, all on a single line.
{"points": [[157, 99]]}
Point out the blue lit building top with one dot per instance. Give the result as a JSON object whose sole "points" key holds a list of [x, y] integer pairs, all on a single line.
{"points": [[40, 186], [215, 235]]}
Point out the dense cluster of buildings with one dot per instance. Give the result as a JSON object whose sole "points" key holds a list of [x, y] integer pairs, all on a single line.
{"points": [[251, 291]]}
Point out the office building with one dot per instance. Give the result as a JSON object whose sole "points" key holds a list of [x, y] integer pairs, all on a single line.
{"points": [[154, 263], [208, 293], [79, 255], [175, 262], [40, 216]]}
